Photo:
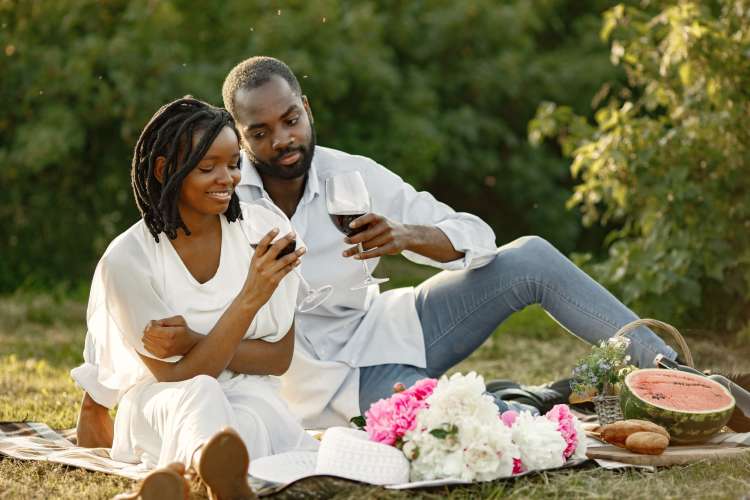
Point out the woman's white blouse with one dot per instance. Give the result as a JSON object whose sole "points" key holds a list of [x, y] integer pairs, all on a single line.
{"points": [[138, 280]]}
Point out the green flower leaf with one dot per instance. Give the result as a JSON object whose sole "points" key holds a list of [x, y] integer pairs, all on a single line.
{"points": [[358, 421]]}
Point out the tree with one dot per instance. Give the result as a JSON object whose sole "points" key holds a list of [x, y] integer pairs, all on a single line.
{"points": [[668, 160]]}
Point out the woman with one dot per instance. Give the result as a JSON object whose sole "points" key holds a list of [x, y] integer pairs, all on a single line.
{"points": [[186, 271]]}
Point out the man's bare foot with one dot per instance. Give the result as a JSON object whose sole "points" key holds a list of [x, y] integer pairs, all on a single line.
{"points": [[95, 428], [222, 464], [167, 483]]}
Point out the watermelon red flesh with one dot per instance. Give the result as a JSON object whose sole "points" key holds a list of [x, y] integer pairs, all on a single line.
{"points": [[692, 408]]}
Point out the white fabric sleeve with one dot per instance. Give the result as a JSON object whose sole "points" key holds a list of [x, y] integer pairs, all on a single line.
{"points": [[86, 376], [398, 200], [122, 301], [130, 300]]}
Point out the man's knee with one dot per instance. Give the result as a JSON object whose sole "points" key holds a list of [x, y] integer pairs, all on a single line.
{"points": [[534, 245], [526, 251]]}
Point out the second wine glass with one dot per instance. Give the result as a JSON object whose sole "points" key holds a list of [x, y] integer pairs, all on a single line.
{"points": [[347, 199]]}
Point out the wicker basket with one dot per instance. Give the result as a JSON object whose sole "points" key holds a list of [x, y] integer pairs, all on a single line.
{"points": [[608, 407]]}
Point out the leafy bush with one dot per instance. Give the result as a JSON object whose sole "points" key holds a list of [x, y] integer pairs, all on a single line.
{"points": [[668, 161]]}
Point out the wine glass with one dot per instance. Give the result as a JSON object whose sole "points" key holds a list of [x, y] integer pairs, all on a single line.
{"points": [[347, 199], [312, 297]]}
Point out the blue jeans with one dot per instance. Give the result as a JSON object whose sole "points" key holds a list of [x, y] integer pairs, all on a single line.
{"points": [[459, 310]]}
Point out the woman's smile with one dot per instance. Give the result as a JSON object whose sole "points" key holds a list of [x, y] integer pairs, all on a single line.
{"points": [[223, 195]]}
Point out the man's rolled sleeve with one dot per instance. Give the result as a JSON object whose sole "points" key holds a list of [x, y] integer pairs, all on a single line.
{"points": [[399, 200], [475, 243]]}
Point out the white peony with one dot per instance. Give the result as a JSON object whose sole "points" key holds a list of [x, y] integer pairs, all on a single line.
{"points": [[539, 443], [460, 396], [460, 435]]}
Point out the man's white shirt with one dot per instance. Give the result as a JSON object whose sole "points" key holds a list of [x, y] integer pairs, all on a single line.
{"points": [[353, 328]]}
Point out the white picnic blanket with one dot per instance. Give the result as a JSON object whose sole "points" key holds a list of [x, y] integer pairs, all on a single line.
{"points": [[48, 445], [44, 444]]}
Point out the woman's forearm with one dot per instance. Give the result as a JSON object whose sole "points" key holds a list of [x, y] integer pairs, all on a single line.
{"points": [[213, 354], [258, 357]]}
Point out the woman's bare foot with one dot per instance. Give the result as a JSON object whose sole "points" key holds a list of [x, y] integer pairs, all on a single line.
{"points": [[222, 464], [95, 428], [167, 483]]}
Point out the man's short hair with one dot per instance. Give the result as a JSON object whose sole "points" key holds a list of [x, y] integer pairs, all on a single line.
{"points": [[252, 73]]}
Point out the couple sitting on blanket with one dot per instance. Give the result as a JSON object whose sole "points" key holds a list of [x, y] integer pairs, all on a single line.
{"points": [[189, 325]]}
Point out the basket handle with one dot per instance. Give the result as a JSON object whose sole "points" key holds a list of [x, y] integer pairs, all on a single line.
{"points": [[664, 327]]}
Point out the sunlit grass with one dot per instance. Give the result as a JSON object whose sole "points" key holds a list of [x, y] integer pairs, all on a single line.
{"points": [[42, 338]]}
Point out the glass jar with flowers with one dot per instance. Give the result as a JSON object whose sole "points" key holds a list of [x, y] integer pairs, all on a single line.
{"points": [[597, 377]]}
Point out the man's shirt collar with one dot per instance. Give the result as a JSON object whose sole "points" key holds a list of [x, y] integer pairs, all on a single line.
{"points": [[249, 176]]}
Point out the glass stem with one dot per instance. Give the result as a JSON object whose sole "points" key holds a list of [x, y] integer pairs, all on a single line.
{"points": [[303, 281], [364, 261]]}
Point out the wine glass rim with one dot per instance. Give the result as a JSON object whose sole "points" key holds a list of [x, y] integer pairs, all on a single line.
{"points": [[355, 207]]}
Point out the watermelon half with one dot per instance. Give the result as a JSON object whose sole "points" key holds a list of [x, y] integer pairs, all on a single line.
{"points": [[691, 407]]}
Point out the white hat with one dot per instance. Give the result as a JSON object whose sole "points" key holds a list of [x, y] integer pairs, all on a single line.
{"points": [[343, 452]]}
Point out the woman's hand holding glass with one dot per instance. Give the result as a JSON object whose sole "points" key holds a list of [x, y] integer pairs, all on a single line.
{"points": [[310, 297], [269, 265]]}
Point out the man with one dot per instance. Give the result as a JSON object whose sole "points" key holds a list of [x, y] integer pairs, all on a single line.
{"points": [[352, 349]]}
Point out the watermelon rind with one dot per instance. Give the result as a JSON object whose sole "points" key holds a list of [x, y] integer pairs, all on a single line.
{"points": [[684, 427]]}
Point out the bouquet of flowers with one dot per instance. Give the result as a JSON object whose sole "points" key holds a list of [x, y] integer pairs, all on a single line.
{"points": [[602, 370], [451, 429]]}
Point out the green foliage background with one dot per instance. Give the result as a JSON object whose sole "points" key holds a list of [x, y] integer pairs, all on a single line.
{"points": [[438, 91], [668, 161], [648, 98]]}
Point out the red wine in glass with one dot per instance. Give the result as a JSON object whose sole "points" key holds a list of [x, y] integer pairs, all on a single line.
{"points": [[347, 199], [309, 297], [342, 221], [291, 247]]}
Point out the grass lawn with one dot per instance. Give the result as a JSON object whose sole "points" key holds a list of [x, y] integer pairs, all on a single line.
{"points": [[42, 338]]}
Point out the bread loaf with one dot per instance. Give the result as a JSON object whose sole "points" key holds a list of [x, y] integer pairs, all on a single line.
{"points": [[647, 443]]}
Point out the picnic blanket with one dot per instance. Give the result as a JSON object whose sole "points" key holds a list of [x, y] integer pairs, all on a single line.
{"points": [[37, 441]]}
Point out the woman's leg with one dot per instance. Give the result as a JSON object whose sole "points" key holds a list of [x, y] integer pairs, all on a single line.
{"points": [[264, 420], [170, 420]]}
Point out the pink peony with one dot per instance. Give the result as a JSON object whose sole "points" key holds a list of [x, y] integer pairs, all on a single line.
{"points": [[509, 417], [422, 388], [517, 466], [565, 426], [389, 419]]}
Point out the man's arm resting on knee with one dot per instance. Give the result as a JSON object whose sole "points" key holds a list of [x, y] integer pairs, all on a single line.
{"points": [[95, 428]]}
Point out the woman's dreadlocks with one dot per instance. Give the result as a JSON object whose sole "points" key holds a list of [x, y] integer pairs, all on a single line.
{"points": [[170, 134]]}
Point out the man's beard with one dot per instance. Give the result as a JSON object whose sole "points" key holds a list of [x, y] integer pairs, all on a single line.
{"points": [[274, 169]]}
